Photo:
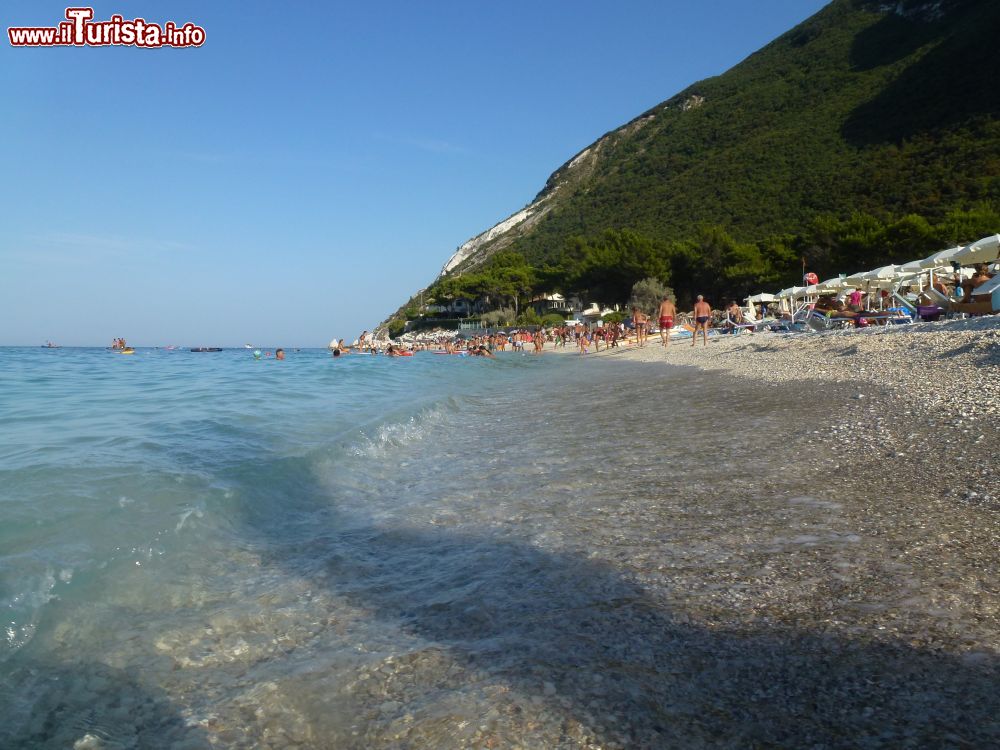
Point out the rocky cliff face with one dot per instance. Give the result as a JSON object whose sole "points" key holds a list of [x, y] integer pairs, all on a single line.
{"points": [[569, 177]]}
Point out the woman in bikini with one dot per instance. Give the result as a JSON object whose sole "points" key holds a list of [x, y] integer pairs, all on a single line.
{"points": [[639, 320]]}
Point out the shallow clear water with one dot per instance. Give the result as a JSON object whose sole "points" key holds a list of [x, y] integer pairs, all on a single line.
{"points": [[204, 549]]}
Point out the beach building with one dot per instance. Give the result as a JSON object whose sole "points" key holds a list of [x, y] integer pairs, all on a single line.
{"points": [[594, 312], [553, 301]]}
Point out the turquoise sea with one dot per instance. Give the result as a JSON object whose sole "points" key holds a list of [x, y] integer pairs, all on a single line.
{"points": [[112, 460], [204, 550]]}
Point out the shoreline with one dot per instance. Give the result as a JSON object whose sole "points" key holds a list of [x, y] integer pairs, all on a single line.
{"points": [[926, 392], [948, 365]]}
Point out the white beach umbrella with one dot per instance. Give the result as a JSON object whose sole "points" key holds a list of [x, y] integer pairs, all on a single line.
{"points": [[885, 273], [833, 285], [762, 297], [790, 292], [890, 283], [916, 275], [940, 258], [985, 250], [784, 298]]}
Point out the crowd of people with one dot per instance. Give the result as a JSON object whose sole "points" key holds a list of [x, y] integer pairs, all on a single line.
{"points": [[633, 330]]}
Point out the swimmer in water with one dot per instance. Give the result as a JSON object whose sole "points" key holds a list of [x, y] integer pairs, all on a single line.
{"points": [[279, 353]]}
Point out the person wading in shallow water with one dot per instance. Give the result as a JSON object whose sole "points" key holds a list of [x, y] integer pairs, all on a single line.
{"points": [[702, 316]]}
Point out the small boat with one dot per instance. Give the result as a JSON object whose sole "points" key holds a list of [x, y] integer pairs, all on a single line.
{"points": [[127, 350], [206, 349]]}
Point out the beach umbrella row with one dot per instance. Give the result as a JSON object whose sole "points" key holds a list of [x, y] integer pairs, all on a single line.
{"points": [[985, 250]]}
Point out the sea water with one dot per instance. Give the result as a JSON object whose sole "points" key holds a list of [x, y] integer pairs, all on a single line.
{"points": [[204, 549]]}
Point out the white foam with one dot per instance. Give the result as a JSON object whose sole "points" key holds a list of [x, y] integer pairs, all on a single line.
{"points": [[388, 437], [196, 512]]}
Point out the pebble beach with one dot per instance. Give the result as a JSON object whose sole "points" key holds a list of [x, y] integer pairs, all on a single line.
{"points": [[899, 432], [947, 365], [940, 380]]}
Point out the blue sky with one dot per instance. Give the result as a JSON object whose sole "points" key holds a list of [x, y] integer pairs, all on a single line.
{"points": [[302, 173]]}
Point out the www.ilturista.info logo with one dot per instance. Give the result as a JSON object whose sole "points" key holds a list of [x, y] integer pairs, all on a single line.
{"points": [[80, 30]]}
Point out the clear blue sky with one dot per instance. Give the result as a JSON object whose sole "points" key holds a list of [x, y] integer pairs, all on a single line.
{"points": [[313, 164]]}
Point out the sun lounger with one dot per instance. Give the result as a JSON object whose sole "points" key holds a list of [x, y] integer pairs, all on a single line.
{"points": [[896, 316], [820, 321]]}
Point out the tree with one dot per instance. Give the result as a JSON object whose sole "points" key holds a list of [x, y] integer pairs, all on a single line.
{"points": [[507, 276], [502, 317], [608, 267], [648, 293], [396, 327], [529, 317], [968, 225], [552, 319], [859, 243], [910, 238]]}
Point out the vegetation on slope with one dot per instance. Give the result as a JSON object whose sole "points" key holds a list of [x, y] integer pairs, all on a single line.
{"points": [[861, 137]]}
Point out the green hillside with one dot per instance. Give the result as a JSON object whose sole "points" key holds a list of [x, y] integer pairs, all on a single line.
{"points": [[865, 135]]}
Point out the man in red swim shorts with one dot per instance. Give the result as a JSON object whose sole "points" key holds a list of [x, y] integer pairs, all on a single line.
{"points": [[667, 314]]}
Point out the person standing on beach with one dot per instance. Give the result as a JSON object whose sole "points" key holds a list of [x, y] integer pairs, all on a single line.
{"points": [[702, 316], [854, 300], [639, 320], [668, 311]]}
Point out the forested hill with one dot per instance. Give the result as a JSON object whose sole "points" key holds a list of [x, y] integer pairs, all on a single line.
{"points": [[867, 134]]}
